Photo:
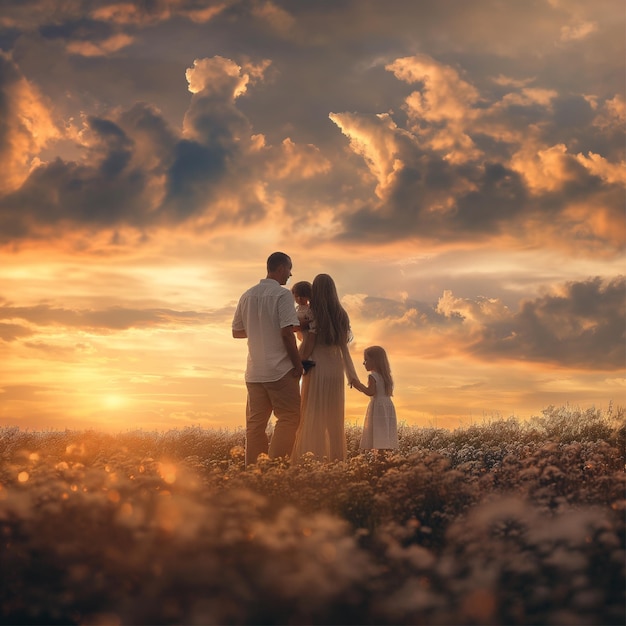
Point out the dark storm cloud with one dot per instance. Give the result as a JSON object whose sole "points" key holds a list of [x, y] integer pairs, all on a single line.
{"points": [[81, 29], [117, 147], [572, 116], [51, 14], [113, 185], [324, 57], [581, 328], [496, 199], [481, 171], [9, 75], [581, 325], [500, 196], [193, 167], [215, 133], [8, 37], [104, 194]]}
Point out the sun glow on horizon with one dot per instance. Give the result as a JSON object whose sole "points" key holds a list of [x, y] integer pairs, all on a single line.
{"points": [[114, 401]]}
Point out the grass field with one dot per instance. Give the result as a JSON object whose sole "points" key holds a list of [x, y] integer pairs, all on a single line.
{"points": [[506, 522]]}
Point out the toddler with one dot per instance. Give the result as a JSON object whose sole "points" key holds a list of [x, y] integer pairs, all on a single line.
{"points": [[302, 292], [302, 295], [380, 428]]}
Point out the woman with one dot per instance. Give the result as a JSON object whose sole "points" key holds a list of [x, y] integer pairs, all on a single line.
{"points": [[321, 429]]}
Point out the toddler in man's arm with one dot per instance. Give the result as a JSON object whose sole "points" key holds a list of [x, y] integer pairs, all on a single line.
{"points": [[302, 292]]}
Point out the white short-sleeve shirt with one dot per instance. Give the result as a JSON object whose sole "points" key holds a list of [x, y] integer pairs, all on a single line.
{"points": [[262, 312]]}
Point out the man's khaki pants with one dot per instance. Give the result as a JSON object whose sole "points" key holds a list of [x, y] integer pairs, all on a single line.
{"points": [[282, 397]]}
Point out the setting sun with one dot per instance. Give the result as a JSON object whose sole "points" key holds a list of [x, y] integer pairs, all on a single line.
{"points": [[113, 401]]}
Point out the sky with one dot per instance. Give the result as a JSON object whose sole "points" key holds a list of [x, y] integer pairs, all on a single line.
{"points": [[456, 166]]}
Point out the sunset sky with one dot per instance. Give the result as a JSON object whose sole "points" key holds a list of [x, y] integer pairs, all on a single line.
{"points": [[457, 166]]}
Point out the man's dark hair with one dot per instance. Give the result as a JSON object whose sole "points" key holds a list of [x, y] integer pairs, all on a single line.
{"points": [[276, 260]]}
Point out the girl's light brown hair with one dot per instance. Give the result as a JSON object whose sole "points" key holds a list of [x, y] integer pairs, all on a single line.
{"points": [[380, 362]]}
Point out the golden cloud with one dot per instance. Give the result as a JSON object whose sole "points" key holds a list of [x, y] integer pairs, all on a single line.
{"points": [[375, 140], [100, 48], [29, 127], [141, 13], [298, 161]]}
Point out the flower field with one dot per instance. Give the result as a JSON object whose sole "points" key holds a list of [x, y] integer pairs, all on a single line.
{"points": [[506, 522]]}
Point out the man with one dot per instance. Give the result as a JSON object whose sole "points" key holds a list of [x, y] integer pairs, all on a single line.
{"points": [[266, 316]]}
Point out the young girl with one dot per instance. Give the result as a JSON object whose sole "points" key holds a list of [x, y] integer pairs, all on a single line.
{"points": [[380, 428]]}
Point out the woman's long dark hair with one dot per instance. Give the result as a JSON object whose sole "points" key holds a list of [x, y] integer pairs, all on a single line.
{"points": [[331, 320]]}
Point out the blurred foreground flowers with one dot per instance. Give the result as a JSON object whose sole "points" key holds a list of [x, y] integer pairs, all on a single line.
{"points": [[503, 523]]}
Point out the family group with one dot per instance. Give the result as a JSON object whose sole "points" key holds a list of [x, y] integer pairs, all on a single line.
{"points": [[297, 364]]}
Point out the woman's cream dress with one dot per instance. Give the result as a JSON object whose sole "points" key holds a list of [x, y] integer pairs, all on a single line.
{"points": [[322, 430]]}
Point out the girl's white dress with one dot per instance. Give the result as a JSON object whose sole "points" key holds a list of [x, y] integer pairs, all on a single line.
{"points": [[380, 428]]}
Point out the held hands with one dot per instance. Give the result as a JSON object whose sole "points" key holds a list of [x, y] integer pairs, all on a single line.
{"points": [[369, 390]]}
